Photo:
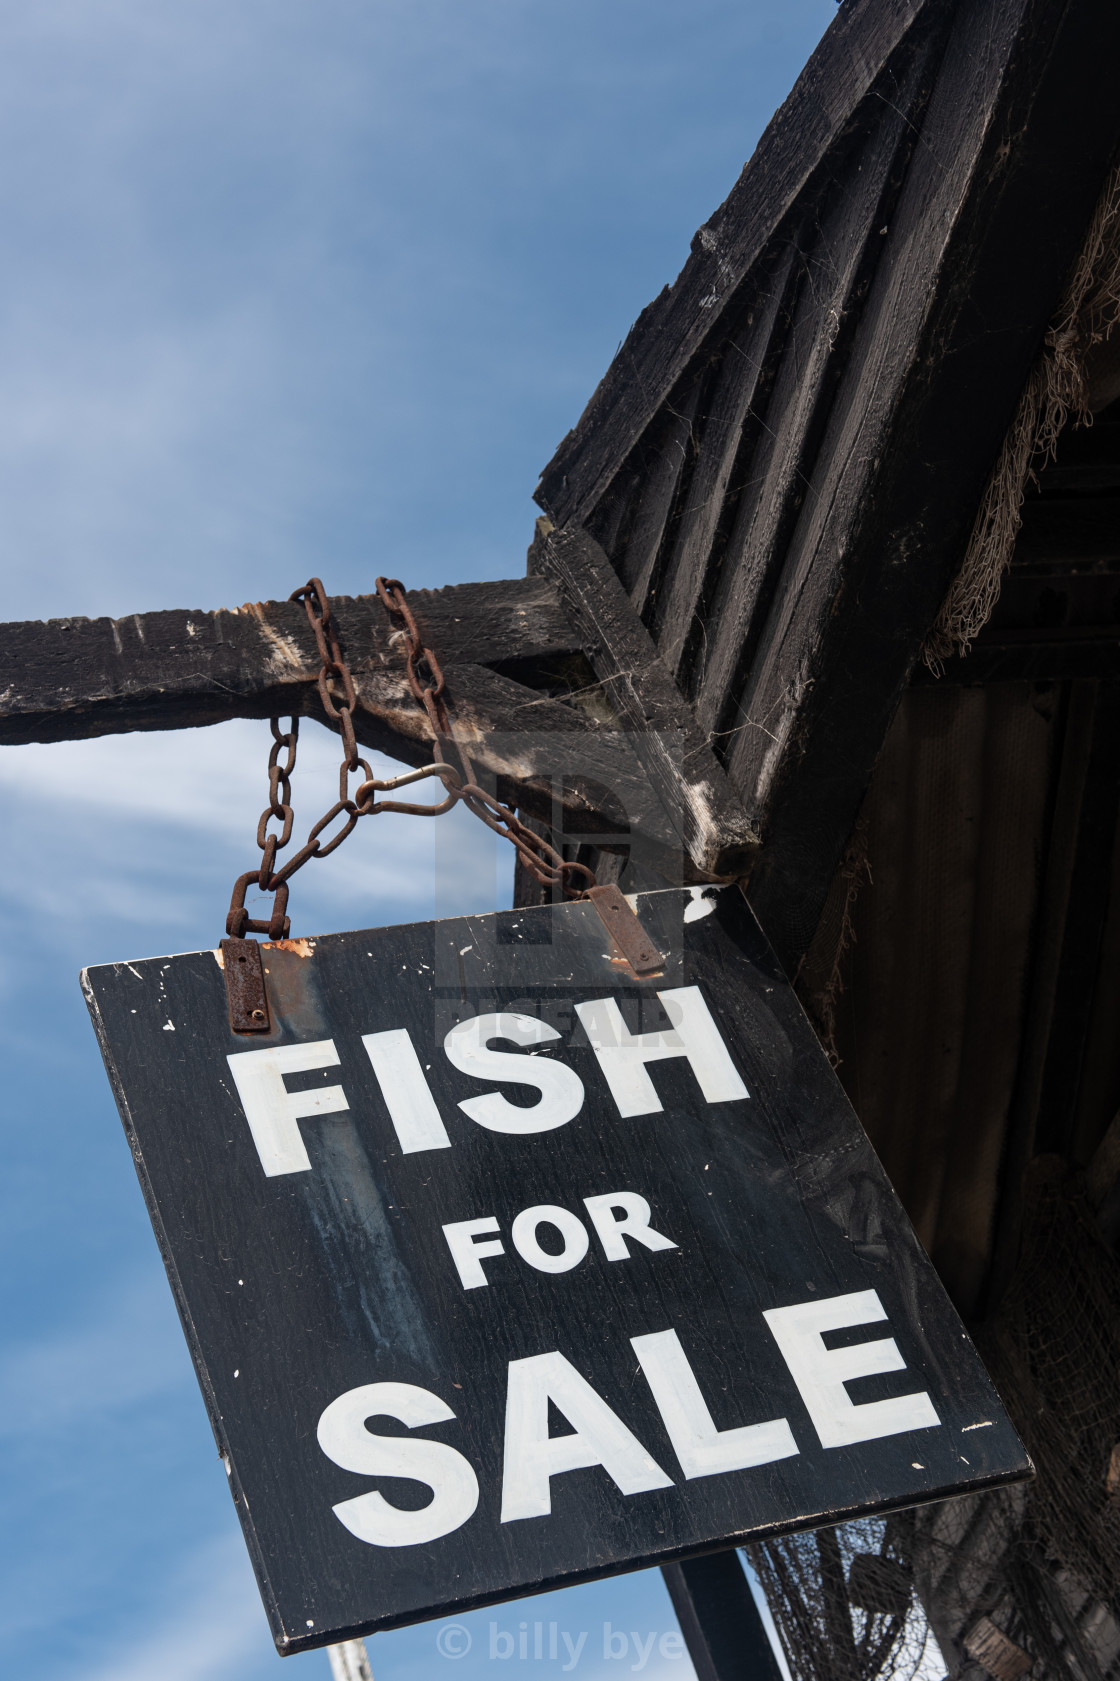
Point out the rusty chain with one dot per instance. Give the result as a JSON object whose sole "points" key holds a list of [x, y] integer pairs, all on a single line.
{"points": [[543, 862], [339, 699]]}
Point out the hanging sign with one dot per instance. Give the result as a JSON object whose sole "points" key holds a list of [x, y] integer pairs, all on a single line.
{"points": [[502, 1269]]}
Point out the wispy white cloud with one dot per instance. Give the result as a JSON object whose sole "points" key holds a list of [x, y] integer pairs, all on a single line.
{"points": [[183, 803], [211, 780], [283, 282], [127, 1350], [209, 1627], [164, 822]]}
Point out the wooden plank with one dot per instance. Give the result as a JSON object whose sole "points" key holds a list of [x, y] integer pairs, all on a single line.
{"points": [[930, 1023], [667, 334], [833, 599], [71, 678], [75, 678], [725, 464], [1086, 914], [847, 476], [716, 832], [1056, 873], [837, 264], [663, 462], [720, 1620], [912, 437]]}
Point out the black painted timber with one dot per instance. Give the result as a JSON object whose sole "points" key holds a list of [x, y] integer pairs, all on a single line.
{"points": [[935, 207], [64, 679], [720, 1620]]}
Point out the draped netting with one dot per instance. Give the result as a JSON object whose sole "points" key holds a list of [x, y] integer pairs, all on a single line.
{"points": [[843, 1602], [1021, 1581]]}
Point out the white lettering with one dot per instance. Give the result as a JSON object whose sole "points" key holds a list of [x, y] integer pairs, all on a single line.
{"points": [[561, 1089], [615, 1642], [272, 1111], [575, 1647], [408, 1097], [623, 1055], [532, 1456], [501, 1642], [703, 1450], [343, 1437], [642, 1652], [612, 1232], [820, 1373], [573, 1231], [467, 1254]]}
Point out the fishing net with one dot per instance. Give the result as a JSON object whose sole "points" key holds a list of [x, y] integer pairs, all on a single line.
{"points": [[1054, 1353], [1022, 1581], [843, 1602], [1057, 389]]}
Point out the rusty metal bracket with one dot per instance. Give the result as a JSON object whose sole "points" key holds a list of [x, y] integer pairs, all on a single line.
{"points": [[245, 989], [624, 929]]}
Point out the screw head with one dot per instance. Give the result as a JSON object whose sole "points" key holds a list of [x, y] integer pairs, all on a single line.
{"points": [[257, 1015]]}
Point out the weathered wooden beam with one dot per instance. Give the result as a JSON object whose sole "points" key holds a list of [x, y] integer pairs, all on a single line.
{"points": [[71, 678], [1063, 1012], [678, 325], [955, 315], [719, 1619], [678, 760], [845, 407], [525, 700]]}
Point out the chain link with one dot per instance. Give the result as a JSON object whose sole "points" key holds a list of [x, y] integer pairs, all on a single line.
{"points": [[339, 699], [543, 862]]}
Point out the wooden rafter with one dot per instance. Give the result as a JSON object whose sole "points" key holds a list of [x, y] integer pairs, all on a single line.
{"points": [[785, 459], [525, 698]]}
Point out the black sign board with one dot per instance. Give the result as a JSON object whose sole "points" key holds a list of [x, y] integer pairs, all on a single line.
{"points": [[502, 1270]]}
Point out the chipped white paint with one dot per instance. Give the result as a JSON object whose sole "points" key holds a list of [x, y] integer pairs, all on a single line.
{"points": [[701, 903]]}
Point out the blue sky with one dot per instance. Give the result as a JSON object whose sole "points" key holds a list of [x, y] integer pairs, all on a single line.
{"points": [[286, 288]]}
